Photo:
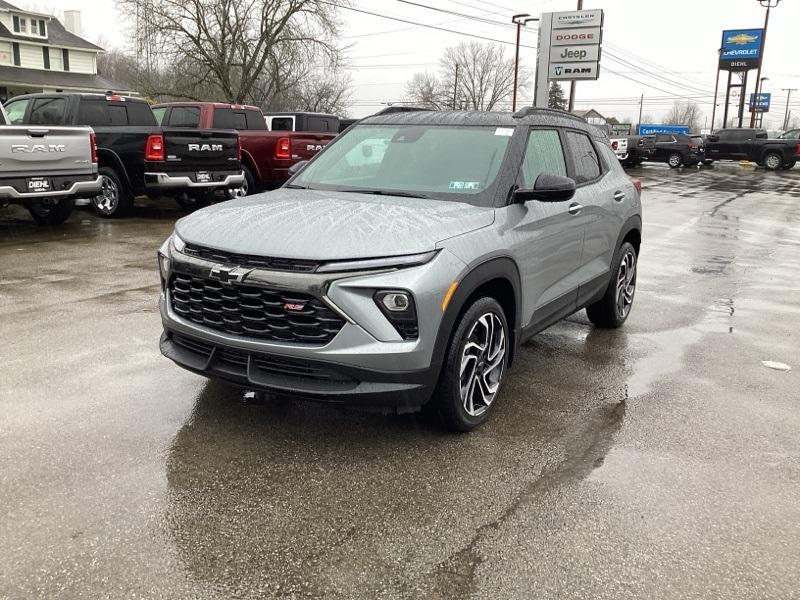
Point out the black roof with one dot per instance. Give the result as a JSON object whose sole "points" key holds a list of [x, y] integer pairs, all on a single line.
{"points": [[526, 116], [57, 35]]}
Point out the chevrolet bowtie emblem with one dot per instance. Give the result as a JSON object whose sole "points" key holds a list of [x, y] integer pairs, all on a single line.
{"points": [[229, 274]]}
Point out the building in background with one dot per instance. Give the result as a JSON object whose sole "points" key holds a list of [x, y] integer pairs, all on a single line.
{"points": [[40, 54]]}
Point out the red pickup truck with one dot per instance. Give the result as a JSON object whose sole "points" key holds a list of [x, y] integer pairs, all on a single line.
{"points": [[266, 155]]}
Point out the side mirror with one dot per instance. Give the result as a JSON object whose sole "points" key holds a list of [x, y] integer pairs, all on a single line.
{"points": [[297, 167], [713, 138], [548, 188]]}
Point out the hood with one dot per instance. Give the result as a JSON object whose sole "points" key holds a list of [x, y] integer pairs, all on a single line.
{"points": [[319, 225]]}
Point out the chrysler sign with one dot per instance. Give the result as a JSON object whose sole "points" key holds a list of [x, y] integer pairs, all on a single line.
{"points": [[579, 18]]}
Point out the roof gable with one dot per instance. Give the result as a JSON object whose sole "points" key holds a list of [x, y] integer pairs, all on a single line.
{"points": [[57, 34]]}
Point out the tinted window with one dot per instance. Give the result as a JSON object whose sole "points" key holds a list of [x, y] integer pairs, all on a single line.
{"points": [[48, 111], [255, 120], [282, 124], [140, 114], [118, 114], [184, 116], [93, 112], [584, 157], [159, 113], [793, 134], [543, 154], [226, 118], [319, 124], [663, 137], [735, 135], [16, 111]]}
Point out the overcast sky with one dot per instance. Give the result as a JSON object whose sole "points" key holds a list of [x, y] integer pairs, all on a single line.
{"points": [[674, 41]]}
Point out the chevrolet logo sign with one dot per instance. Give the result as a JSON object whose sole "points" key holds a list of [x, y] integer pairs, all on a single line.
{"points": [[229, 274]]}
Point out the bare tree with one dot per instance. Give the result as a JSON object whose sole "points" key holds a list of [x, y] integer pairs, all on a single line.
{"points": [[478, 76], [685, 113], [119, 69], [232, 46]]}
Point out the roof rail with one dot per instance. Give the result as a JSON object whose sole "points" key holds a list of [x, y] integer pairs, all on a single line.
{"points": [[527, 111], [389, 110]]}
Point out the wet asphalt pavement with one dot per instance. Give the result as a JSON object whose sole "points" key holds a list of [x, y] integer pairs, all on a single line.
{"points": [[661, 460]]}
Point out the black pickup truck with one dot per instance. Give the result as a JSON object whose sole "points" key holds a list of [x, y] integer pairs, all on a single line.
{"points": [[135, 155], [753, 145]]}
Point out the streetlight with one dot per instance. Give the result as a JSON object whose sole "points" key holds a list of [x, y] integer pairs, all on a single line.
{"points": [[768, 4], [520, 21]]}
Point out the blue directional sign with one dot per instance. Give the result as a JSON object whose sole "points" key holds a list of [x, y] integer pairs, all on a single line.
{"points": [[650, 128], [760, 104], [740, 49]]}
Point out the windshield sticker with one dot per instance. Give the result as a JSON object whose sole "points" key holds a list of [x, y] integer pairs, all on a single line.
{"points": [[506, 131], [464, 185]]}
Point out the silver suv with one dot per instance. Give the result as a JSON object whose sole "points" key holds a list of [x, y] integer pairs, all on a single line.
{"points": [[404, 265]]}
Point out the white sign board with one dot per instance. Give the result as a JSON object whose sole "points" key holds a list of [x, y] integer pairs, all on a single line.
{"points": [[574, 54], [569, 71], [584, 35], [578, 18]]}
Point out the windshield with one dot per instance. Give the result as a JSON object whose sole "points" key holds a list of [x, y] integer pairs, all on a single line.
{"points": [[431, 161]]}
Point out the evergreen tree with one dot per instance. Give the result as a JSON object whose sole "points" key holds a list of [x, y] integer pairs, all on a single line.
{"points": [[555, 97]]}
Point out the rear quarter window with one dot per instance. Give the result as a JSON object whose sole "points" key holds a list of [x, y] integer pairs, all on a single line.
{"points": [[586, 163], [282, 124], [184, 116], [48, 111], [255, 120], [226, 118]]}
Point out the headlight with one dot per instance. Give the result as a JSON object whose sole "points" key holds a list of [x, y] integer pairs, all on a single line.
{"points": [[164, 264], [177, 243], [390, 262], [398, 307]]}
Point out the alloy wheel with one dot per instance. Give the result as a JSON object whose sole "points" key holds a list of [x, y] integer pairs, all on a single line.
{"points": [[108, 199], [626, 283], [773, 161], [675, 160], [482, 364]]}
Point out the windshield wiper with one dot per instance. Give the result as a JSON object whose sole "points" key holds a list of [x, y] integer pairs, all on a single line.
{"points": [[385, 193]]}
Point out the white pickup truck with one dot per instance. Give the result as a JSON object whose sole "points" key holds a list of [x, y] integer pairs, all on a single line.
{"points": [[45, 168], [620, 148]]}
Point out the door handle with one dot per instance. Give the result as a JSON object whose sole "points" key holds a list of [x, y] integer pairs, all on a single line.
{"points": [[575, 209], [619, 196]]}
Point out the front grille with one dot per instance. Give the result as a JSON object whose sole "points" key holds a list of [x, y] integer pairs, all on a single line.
{"points": [[253, 311], [265, 363], [248, 260]]}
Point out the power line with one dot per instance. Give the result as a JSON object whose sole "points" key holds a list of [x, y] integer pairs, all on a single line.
{"points": [[458, 14], [374, 14]]}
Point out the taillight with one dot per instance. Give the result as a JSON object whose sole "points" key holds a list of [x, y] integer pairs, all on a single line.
{"points": [[614, 145], [637, 183], [692, 146], [797, 150], [283, 148], [93, 144], [154, 148]]}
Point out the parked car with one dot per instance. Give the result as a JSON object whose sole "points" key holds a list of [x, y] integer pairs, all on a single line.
{"points": [[753, 145], [266, 155], [676, 149], [469, 233], [637, 149], [46, 168], [620, 148], [135, 155], [302, 121], [792, 134]]}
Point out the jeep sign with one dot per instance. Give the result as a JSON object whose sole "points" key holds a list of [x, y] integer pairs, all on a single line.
{"points": [[566, 37], [585, 70], [560, 54]]}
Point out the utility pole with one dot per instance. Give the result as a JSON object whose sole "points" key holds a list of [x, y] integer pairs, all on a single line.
{"points": [[768, 4], [641, 106], [455, 88], [572, 85], [716, 89], [788, 97], [520, 21]]}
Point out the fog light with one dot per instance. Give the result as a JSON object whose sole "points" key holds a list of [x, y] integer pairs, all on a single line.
{"points": [[396, 301]]}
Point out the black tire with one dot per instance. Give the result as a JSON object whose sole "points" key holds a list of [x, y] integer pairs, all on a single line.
{"points": [[789, 165], [675, 160], [773, 161], [607, 312], [448, 404], [51, 212], [247, 189], [708, 162], [114, 200]]}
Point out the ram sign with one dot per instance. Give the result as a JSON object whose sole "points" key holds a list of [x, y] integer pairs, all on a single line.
{"points": [[583, 70], [740, 49]]}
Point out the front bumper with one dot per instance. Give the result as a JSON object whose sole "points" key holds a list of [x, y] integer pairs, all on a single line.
{"points": [[167, 181], [9, 191], [378, 367]]}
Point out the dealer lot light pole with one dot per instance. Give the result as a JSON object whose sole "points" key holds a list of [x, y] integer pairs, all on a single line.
{"points": [[520, 21], [788, 98], [769, 5]]}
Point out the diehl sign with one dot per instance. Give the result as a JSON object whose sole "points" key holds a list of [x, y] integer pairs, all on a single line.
{"points": [[561, 54], [561, 71], [740, 49]]}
